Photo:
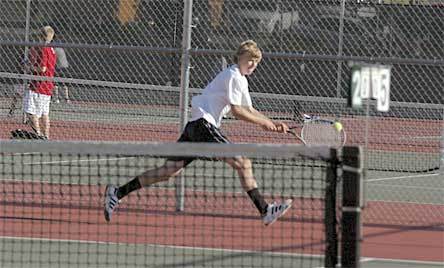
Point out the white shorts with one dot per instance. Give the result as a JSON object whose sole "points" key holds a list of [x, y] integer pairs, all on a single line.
{"points": [[36, 104]]}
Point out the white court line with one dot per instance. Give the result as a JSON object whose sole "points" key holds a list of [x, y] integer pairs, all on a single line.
{"points": [[420, 138], [408, 187], [363, 259], [403, 177], [405, 202], [284, 254], [19, 238], [45, 181], [69, 161], [405, 261], [30, 153], [366, 259]]}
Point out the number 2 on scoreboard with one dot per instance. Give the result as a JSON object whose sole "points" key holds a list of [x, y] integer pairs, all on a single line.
{"points": [[356, 100]]}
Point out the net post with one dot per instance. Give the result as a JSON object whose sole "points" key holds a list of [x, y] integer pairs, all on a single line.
{"points": [[330, 222], [352, 194]]}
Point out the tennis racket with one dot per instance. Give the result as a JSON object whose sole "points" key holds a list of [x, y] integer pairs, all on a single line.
{"points": [[320, 131]]}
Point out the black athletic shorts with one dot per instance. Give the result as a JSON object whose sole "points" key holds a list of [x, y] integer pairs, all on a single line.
{"points": [[199, 130]]}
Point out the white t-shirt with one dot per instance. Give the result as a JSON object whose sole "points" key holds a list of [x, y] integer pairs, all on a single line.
{"points": [[228, 88]]}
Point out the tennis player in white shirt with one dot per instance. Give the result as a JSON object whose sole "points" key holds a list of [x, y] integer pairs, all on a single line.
{"points": [[228, 91]]}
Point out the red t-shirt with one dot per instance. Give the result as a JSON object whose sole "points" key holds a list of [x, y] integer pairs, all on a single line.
{"points": [[43, 57]]}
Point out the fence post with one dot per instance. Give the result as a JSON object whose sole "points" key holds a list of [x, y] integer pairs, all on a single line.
{"points": [[441, 163], [340, 48], [184, 91], [28, 19], [25, 57]]}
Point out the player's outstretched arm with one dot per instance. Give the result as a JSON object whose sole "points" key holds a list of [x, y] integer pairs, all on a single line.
{"points": [[257, 113], [280, 126], [251, 115], [244, 114]]}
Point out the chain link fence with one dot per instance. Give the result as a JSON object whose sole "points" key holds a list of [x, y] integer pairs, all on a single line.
{"points": [[123, 81]]}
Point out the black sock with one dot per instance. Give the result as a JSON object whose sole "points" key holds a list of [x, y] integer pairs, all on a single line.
{"points": [[132, 185], [258, 200]]}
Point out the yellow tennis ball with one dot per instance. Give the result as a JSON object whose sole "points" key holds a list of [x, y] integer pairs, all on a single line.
{"points": [[338, 126]]}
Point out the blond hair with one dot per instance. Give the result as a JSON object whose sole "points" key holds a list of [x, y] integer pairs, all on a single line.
{"points": [[48, 32], [250, 49]]}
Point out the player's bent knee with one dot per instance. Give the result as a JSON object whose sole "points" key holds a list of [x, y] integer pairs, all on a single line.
{"points": [[246, 163], [242, 163]]}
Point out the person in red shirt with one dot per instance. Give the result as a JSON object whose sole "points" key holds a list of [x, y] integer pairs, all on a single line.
{"points": [[37, 99]]}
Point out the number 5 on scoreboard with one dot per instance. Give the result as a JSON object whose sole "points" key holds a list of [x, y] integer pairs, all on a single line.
{"points": [[383, 100]]}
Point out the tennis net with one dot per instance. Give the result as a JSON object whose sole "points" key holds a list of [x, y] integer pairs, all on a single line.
{"points": [[52, 196]]}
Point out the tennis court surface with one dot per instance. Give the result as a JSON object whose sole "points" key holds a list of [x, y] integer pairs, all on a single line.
{"points": [[52, 213], [53, 208]]}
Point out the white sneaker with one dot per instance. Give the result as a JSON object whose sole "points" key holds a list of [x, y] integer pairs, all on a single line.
{"points": [[111, 201], [276, 210]]}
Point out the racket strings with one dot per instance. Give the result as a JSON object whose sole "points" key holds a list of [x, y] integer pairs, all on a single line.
{"points": [[322, 134]]}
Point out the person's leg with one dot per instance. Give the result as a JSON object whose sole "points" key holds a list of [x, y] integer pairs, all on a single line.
{"points": [[31, 109], [113, 193], [45, 100], [202, 131], [45, 125], [25, 117], [149, 177], [244, 169], [35, 123], [269, 212], [172, 167]]}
